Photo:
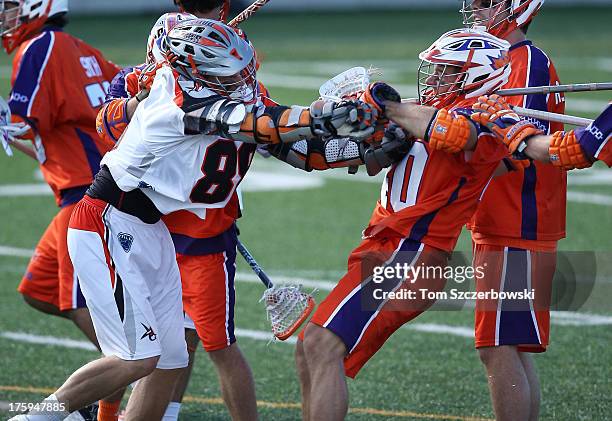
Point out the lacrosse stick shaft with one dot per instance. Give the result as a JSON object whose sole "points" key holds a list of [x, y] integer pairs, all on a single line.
{"points": [[248, 12], [224, 12], [577, 87], [254, 265], [554, 117]]}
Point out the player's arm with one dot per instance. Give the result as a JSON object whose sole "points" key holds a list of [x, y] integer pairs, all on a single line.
{"points": [[128, 88], [444, 130], [567, 150], [271, 125]]}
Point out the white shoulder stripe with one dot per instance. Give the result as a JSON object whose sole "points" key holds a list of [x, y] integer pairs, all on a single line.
{"points": [[42, 71], [603, 145]]}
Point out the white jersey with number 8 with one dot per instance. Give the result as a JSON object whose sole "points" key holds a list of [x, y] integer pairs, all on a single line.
{"points": [[176, 171]]}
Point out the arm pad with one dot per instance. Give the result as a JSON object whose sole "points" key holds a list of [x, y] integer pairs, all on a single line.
{"points": [[112, 120], [448, 132], [566, 152]]}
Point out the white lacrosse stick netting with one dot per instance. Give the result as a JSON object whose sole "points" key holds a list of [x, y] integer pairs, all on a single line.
{"points": [[9, 131], [346, 83], [287, 308]]}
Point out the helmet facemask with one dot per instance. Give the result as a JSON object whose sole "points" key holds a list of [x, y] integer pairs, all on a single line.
{"points": [[10, 10], [439, 82], [489, 15], [241, 86]]}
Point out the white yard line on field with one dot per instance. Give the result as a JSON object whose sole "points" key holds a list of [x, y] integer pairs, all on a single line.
{"points": [[591, 198]]}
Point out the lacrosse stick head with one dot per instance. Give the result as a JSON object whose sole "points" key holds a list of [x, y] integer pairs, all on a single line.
{"points": [[287, 308], [345, 84], [5, 121]]}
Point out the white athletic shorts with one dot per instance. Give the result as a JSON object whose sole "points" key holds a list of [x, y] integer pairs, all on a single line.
{"points": [[129, 276]]}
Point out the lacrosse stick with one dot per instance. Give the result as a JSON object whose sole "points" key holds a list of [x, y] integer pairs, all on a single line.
{"points": [[577, 87], [225, 9], [248, 12], [287, 306], [557, 118]]}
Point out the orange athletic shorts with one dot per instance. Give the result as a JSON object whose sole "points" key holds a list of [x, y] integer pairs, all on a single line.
{"points": [[520, 321], [357, 312], [209, 296], [49, 276]]}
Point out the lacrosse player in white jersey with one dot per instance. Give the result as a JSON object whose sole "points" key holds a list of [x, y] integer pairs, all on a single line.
{"points": [[187, 147]]}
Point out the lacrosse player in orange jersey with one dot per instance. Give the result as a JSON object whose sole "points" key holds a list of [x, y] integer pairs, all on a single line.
{"points": [[576, 149], [517, 225], [58, 85], [425, 200]]}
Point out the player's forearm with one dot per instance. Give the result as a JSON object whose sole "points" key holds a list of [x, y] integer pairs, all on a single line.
{"points": [[412, 117], [538, 148], [26, 149]]}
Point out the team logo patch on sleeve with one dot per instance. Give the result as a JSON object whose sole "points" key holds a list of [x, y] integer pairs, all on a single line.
{"points": [[126, 241]]}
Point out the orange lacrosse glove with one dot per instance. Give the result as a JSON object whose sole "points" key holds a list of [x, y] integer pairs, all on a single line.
{"points": [[494, 113]]}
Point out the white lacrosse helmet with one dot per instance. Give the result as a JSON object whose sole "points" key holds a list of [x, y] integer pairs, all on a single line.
{"points": [[499, 17], [463, 63], [156, 45], [20, 19], [215, 56]]}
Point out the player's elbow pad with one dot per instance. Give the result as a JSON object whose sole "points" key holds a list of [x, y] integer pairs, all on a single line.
{"points": [[448, 132], [219, 116], [565, 152]]}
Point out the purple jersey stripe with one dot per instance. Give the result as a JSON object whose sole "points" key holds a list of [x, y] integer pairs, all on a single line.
{"points": [[421, 227], [516, 325], [230, 268], [539, 75], [529, 222], [91, 152], [30, 72]]}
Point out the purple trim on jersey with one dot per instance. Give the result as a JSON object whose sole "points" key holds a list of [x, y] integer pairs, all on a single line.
{"points": [[352, 318], [516, 323], [91, 151], [230, 269], [539, 75], [529, 214], [226, 241], [421, 227], [31, 66], [593, 137], [80, 298], [72, 195]]}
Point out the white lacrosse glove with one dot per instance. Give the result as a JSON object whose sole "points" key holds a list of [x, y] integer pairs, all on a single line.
{"points": [[354, 119]]}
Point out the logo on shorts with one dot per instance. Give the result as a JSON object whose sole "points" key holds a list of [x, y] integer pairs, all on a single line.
{"points": [[126, 241], [148, 332]]}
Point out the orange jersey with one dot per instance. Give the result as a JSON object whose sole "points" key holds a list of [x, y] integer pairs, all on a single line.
{"points": [[526, 206], [58, 85], [185, 226], [430, 194]]}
